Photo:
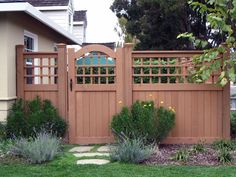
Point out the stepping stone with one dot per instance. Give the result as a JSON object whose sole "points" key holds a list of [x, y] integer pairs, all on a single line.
{"points": [[90, 154], [81, 149], [105, 148], [92, 161]]}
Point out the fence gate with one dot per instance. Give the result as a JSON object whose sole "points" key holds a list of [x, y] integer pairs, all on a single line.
{"points": [[95, 93]]}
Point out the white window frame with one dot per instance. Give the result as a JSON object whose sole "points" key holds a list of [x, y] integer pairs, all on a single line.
{"points": [[34, 37]]}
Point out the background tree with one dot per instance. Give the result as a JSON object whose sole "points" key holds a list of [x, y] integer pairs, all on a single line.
{"points": [[124, 36], [157, 23]]}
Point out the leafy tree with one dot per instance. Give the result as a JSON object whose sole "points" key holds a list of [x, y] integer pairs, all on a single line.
{"points": [[157, 23], [221, 17], [122, 32]]}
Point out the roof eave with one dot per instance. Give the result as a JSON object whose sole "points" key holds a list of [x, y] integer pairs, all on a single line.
{"points": [[32, 11], [53, 8]]}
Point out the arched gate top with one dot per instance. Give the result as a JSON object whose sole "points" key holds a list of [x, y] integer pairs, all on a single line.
{"points": [[95, 48]]}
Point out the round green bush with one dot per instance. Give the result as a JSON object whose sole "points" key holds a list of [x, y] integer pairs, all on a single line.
{"points": [[27, 118], [143, 120], [233, 124]]}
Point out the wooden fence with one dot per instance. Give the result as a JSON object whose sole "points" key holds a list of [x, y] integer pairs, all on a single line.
{"points": [[43, 74], [99, 82]]}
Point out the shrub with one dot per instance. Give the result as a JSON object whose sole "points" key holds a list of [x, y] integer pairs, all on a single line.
{"points": [[224, 156], [27, 118], [44, 147], [224, 144], [199, 147], [2, 131], [233, 124], [131, 151], [5, 146], [164, 121], [181, 155], [143, 120]]}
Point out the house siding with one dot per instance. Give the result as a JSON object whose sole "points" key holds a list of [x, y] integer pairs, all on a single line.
{"points": [[79, 32], [59, 17], [12, 34]]}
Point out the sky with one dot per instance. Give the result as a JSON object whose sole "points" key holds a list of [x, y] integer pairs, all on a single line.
{"points": [[101, 20]]}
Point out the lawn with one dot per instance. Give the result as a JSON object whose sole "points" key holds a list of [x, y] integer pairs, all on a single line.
{"points": [[65, 166]]}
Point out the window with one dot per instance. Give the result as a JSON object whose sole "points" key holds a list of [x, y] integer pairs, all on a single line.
{"points": [[30, 41], [31, 45]]}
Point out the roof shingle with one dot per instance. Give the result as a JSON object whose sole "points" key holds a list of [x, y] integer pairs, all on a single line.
{"points": [[80, 16]]}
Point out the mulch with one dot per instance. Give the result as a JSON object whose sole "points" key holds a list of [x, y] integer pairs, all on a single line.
{"points": [[164, 156]]}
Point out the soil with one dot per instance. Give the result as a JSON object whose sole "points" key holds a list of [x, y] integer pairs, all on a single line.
{"points": [[9, 159], [164, 156]]}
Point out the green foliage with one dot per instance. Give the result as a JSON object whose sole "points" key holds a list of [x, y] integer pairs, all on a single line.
{"points": [[233, 124], [44, 147], [143, 120], [224, 144], [5, 146], [181, 155], [171, 18], [27, 118], [220, 15], [199, 147], [164, 121], [224, 156], [2, 131], [131, 151]]}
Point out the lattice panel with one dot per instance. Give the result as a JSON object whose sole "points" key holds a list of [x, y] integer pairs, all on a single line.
{"points": [[159, 70], [40, 70], [95, 68]]}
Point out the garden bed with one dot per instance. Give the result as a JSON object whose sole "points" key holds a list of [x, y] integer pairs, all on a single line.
{"points": [[166, 154]]}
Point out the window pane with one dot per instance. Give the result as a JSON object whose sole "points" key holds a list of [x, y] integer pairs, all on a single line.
{"points": [[29, 44]]}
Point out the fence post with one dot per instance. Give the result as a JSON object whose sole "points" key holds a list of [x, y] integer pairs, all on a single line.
{"points": [[128, 62], [226, 101], [120, 78], [62, 80], [20, 71]]}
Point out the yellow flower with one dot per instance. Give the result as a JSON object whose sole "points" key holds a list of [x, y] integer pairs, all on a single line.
{"points": [[162, 102], [144, 105], [173, 110], [170, 107], [150, 105]]}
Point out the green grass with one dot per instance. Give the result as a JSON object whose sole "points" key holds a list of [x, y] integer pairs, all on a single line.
{"points": [[66, 166], [95, 148]]}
